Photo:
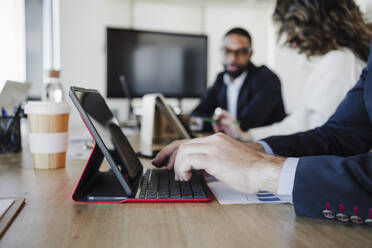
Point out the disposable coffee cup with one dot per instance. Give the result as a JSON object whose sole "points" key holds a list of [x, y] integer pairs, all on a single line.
{"points": [[48, 133]]}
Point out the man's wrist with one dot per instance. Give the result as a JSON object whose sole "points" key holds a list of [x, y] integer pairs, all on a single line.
{"points": [[271, 173], [255, 146]]}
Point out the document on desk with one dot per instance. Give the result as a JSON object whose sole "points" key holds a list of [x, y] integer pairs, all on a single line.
{"points": [[226, 195], [5, 204]]}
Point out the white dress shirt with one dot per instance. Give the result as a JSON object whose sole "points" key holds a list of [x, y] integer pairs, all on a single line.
{"points": [[233, 89], [330, 77]]}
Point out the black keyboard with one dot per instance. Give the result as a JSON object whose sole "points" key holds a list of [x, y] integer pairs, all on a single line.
{"points": [[160, 184]]}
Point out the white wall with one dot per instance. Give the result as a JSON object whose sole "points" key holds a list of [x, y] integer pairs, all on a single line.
{"points": [[219, 19], [165, 17], [287, 64], [12, 41], [83, 24]]}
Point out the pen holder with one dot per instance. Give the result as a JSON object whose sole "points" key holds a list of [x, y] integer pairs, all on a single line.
{"points": [[10, 134]]}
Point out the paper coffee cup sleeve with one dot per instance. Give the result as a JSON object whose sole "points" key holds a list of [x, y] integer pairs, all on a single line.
{"points": [[48, 143]]}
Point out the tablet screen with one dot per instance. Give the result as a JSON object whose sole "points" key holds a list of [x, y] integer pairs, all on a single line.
{"points": [[109, 131]]}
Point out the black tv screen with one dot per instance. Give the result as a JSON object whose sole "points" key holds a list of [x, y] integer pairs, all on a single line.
{"points": [[154, 62]]}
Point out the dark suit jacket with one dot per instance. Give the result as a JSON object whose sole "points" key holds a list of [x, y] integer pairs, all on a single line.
{"points": [[259, 103], [335, 165]]}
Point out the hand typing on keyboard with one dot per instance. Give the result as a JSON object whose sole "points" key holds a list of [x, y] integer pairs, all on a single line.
{"points": [[167, 155], [230, 161]]}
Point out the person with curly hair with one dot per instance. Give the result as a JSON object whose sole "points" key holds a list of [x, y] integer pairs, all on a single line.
{"points": [[335, 40]]}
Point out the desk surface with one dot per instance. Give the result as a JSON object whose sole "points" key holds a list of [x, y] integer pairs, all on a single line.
{"points": [[51, 219]]}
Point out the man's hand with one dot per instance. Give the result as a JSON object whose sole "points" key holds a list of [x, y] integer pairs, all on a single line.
{"points": [[226, 123], [255, 146], [230, 161], [167, 155], [163, 158]]}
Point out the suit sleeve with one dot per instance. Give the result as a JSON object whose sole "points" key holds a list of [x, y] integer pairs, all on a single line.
{"points": [[348, 132], [266, 105], [336, 180]]}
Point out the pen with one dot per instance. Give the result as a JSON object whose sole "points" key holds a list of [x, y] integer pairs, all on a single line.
{"points": [[218, 111], [211, 120], [3, 112]]}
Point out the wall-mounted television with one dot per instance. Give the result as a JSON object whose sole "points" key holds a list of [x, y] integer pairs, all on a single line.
{"points": [[156, 62]]}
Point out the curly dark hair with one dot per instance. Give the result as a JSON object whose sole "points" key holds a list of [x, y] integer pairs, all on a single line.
{"points": [[319, 26]]}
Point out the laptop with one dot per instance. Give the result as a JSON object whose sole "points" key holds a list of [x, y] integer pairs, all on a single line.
{"points": [[152, 103], [126, 180]]}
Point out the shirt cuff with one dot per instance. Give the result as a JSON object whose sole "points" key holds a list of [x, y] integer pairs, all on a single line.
{"points": [[266, 147], [287, 177]]}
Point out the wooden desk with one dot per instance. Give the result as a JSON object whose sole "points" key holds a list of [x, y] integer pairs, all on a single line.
{"points": [[51, 219]]}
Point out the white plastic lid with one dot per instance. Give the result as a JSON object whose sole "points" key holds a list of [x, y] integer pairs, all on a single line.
{"points": [[46, 108]]}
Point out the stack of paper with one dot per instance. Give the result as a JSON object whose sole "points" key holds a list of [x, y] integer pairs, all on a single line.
{"points": [[227, 195]]}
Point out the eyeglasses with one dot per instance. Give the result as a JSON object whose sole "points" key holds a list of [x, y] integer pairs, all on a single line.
{"points": [[238, 53]]}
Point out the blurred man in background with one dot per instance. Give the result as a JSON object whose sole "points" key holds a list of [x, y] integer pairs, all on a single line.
{"points": [[249, 93]]}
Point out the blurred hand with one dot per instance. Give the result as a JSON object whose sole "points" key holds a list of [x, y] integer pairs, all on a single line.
{"points": [[230, 161], [255, 146], [226, 123]]}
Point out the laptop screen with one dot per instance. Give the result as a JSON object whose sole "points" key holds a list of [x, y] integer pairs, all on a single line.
{"points": [[109, 131]]}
